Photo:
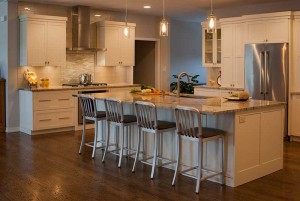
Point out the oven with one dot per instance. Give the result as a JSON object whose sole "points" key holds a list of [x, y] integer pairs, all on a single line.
{"points": [[80, 120]]}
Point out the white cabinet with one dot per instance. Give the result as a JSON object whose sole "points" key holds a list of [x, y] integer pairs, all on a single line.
{"points": [[211, 47], [295, 109], [268, 28], [114, 48], [232, 54], [41, 111], [295, 70], [42, 40]]}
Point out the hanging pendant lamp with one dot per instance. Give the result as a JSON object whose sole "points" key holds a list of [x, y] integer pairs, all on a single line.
{"points": [[211, 20], [126, 28], [164, 25]]}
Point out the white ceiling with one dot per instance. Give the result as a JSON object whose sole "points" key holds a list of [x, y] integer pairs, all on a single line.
{"points": [[174, 8]]}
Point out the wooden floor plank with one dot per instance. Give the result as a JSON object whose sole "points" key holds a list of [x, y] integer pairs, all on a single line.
{"points": [[48, 167]]}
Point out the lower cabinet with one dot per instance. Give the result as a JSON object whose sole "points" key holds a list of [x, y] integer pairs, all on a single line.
{"points": [[41, 111], [295, 110]]}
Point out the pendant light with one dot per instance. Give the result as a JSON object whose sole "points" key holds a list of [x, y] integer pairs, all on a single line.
{"points": [[126, 28], [164, 25], [211, 20]]}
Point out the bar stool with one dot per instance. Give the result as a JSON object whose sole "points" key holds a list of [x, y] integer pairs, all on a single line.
{"points": [[115, 116], [189, 127], [89, 112], [147, 122]]}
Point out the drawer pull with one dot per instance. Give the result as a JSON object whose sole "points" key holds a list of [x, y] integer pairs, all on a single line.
{"points": [[45, 119], [61, 118], [64, 99], [44, 100]]}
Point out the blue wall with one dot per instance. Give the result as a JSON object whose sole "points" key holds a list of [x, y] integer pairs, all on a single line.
{"points": [[186, 49]]}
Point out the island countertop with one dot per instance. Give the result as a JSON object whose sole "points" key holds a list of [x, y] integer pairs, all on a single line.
{"points": [[205, 105]]}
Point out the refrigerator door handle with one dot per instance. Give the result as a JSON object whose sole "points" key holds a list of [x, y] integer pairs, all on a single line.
{"points": [[267, 65], [262, 63]]}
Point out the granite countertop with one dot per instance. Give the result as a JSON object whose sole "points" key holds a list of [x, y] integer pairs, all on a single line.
{"points": [[62, 88], [219, 87], [206, 105]]}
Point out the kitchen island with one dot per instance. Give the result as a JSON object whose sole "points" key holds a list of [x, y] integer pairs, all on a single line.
{"points": [[254, 139]]}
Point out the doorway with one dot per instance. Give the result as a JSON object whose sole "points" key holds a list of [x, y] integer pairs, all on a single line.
{"points": [[144, 71]]}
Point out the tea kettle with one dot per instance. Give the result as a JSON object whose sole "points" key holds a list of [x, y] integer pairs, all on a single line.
{"points": [[86, 79]]}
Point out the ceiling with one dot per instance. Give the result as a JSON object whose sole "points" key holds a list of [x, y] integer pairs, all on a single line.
{"points": [[174, 8]]}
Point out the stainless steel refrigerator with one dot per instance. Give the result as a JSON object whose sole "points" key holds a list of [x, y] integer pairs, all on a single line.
{"points": [[266, 72]]}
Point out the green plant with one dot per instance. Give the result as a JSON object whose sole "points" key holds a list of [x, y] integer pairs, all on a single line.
{"points": [[187, 88]]}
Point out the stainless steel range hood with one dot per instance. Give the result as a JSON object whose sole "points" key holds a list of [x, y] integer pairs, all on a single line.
{"points": [[80, 21]]}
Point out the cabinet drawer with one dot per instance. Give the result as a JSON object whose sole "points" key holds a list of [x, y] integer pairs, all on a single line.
{"points": [[53, 100], [53, 119]]}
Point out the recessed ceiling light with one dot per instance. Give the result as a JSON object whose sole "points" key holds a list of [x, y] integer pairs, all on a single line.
{"points": [[97, 15], [147, 7], [26, 8]]}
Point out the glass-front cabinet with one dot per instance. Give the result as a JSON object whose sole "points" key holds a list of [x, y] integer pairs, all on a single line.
{"points": [[211, 47]]}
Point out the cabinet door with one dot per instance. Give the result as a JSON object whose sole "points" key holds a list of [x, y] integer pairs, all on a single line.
{"points": [[207, 92], [112, 45], [256, 32], [296, 54], [36, 43], [56, 44], [218, 48], [239, 67], [227, 55], [277, 31], [127, 48], [295, 115], [207, 48]]}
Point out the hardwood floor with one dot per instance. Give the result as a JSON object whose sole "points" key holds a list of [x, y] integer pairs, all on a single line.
{"points": [[48, 167]]}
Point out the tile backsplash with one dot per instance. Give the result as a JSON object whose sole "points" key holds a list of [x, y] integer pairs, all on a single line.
{"points": [[79, 63]]}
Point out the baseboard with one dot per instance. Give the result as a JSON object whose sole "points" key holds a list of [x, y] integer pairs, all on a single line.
{"points": [[12, 130]]}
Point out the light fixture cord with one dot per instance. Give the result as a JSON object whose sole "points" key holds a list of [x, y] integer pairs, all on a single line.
{"points": [[126, 12], [211, 7], [163, 9]]}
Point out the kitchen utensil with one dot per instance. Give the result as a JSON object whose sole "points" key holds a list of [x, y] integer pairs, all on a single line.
{"points": [[86, 79]]}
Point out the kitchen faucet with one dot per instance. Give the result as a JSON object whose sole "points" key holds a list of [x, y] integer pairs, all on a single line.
{"points": [[178, 81]]}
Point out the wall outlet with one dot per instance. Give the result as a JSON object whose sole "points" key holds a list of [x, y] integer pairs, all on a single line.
{"points": [[242, 119]]}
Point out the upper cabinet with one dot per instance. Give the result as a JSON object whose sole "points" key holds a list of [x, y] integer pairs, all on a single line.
{"points": [[114, 48], [42, 40], [211, 47], [268, 28], [232, 52]]}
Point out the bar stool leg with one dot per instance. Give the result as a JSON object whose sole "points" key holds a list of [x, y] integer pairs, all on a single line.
{"points": [[154, 155], [177, 138], [107, 140], [122, 145], [199, 164], [137, 149], [83, 136], [95, 138]]}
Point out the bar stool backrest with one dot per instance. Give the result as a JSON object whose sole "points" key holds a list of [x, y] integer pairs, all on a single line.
{"points": [[146, 115], [88, 105], [188, 121], [114, 110]]}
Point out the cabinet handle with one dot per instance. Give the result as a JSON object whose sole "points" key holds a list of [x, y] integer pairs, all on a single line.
{"points": [[45, 62], [61, 118], [44, 101], [63, 99], [45, 119]]}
